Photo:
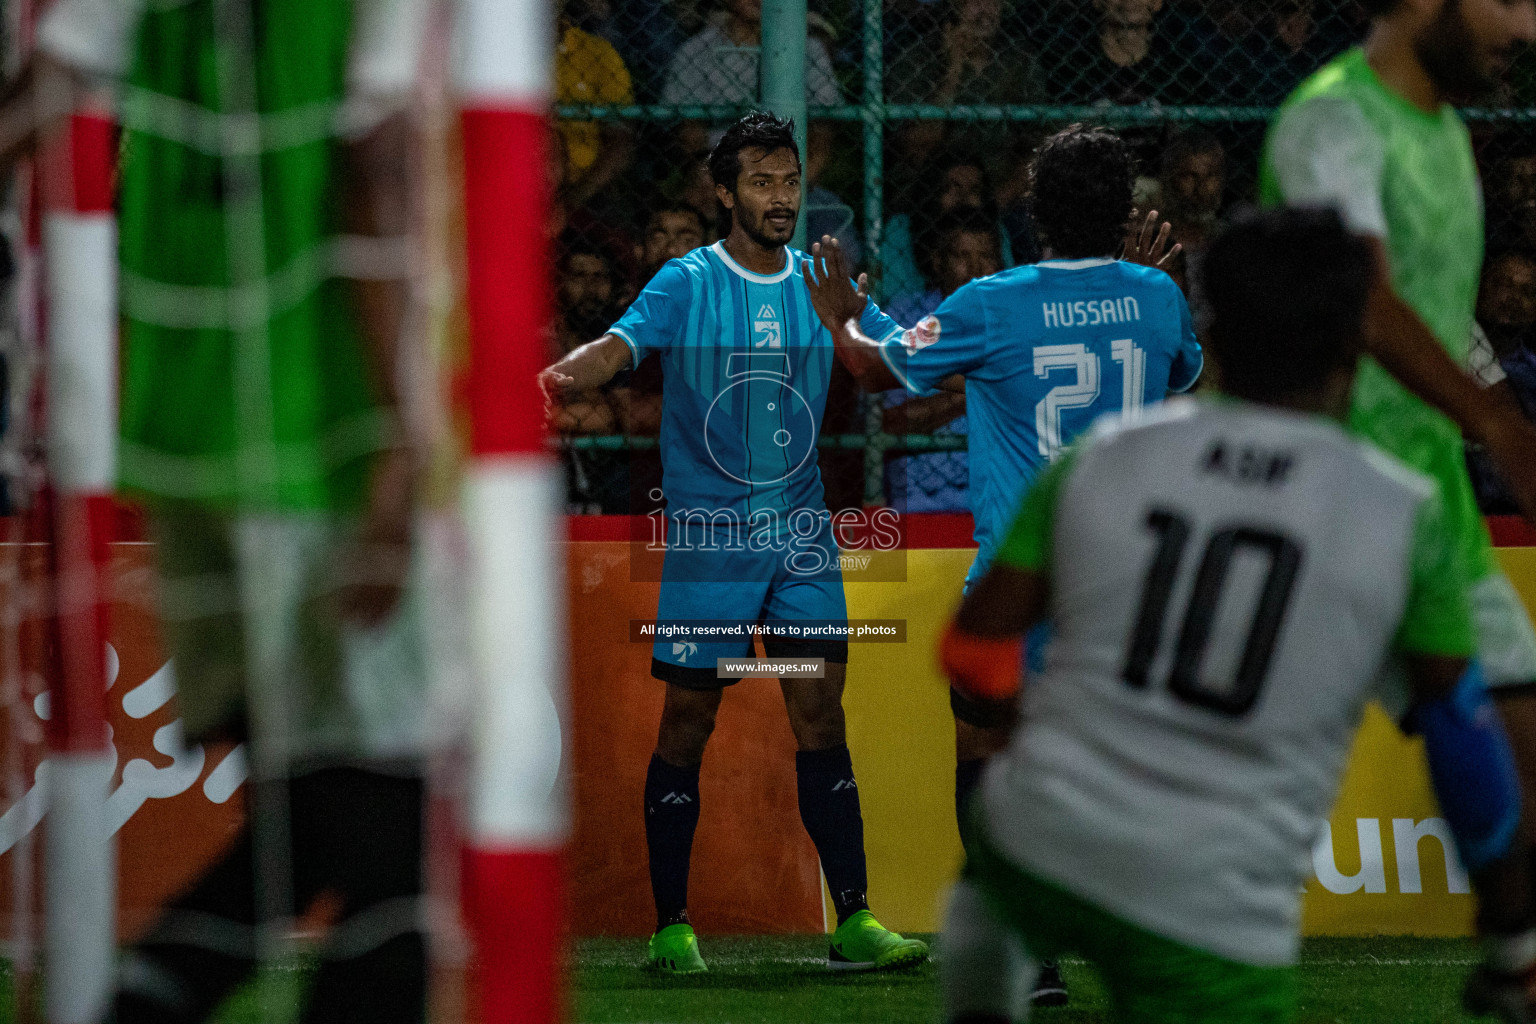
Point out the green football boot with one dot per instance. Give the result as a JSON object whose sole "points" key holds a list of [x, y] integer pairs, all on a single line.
{"points": [[675, 950], [863, 944]]}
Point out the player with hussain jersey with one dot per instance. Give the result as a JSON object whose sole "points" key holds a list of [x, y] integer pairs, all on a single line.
{"points": [[1040, 351]]}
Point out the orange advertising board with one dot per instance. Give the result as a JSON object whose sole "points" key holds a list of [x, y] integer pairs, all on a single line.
{"points": [[172, 809], [1382, 868]]}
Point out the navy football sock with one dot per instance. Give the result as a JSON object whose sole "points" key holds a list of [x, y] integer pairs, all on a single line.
{"points": [[829, 807], [671, 815], [967, 778]]}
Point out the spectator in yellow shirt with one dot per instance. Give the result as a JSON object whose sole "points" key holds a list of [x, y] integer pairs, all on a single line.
{"points": [[588, 70]]}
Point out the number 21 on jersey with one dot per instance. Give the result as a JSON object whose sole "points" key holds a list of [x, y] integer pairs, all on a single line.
{"points": [[1083, 390]]}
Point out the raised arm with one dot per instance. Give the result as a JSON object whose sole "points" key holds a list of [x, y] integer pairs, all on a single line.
{"points": [[925, 414], [1006, 603], [1147, 244], [590, 366], [982, 651], [839, 304], [1325, 152], [374, 189]]}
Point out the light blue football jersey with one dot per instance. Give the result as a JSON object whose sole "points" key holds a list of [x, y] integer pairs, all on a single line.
{"points": [[745, 369], [1045, 350]]}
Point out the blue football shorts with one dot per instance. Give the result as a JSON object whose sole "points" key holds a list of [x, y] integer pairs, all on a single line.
{"points": [[795, 580]]}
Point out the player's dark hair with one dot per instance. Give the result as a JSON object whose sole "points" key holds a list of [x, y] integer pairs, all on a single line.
{"points": [[758, 129], [1286, 290], [941, 234], [1378, 8], [1187, 143], [1081, 181]]}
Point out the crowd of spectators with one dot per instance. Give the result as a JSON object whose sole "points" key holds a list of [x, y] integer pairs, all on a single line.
{"points": [[1503, 353], [632, 193], [981, 51], [965, 243], [1503, 348]]}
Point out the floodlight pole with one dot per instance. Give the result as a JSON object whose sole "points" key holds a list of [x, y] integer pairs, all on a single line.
{"points": [[79, 235], [518, 816], [782, 73]]}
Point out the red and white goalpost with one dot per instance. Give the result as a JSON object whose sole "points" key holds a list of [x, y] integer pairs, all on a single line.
{"points": [[518, 814], [79, 242]]}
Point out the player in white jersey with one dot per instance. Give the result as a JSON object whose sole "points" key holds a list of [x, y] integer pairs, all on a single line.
{"points": [[1226, 579]]}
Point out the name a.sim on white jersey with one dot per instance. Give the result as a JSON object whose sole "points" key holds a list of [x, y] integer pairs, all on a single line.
{"points": [[1091, 312]]}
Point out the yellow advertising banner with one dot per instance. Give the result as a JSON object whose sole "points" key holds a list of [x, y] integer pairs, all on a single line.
{"points": [[1383, 866]]}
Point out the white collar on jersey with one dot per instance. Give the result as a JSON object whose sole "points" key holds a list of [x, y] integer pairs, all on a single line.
{"points": [[1102, 261], [789, 266]]}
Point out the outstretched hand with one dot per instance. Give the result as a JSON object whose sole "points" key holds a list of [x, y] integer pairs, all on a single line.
{"points": [[557, 388], [1147, 244], [555, 385], [835, 297]]}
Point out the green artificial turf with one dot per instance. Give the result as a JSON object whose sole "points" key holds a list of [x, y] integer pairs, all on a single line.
{"points": [[781, 980]]}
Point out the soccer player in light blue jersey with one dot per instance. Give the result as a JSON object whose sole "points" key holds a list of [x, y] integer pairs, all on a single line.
{"points": [[1043, 350], [746, 364]]}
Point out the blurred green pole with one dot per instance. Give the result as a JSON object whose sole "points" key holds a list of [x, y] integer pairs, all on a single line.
{"points": [[782, 72], [873, 116]]}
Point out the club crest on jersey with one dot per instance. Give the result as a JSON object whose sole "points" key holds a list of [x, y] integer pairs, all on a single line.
{"points": [[770, 333], [924, 334]]}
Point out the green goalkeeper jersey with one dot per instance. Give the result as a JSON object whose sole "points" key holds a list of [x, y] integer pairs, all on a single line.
{"points": [[245, 380], [1407, 177]]}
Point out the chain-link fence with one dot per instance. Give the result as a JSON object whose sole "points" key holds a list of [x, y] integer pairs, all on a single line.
{"points": [[923, 115]]}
